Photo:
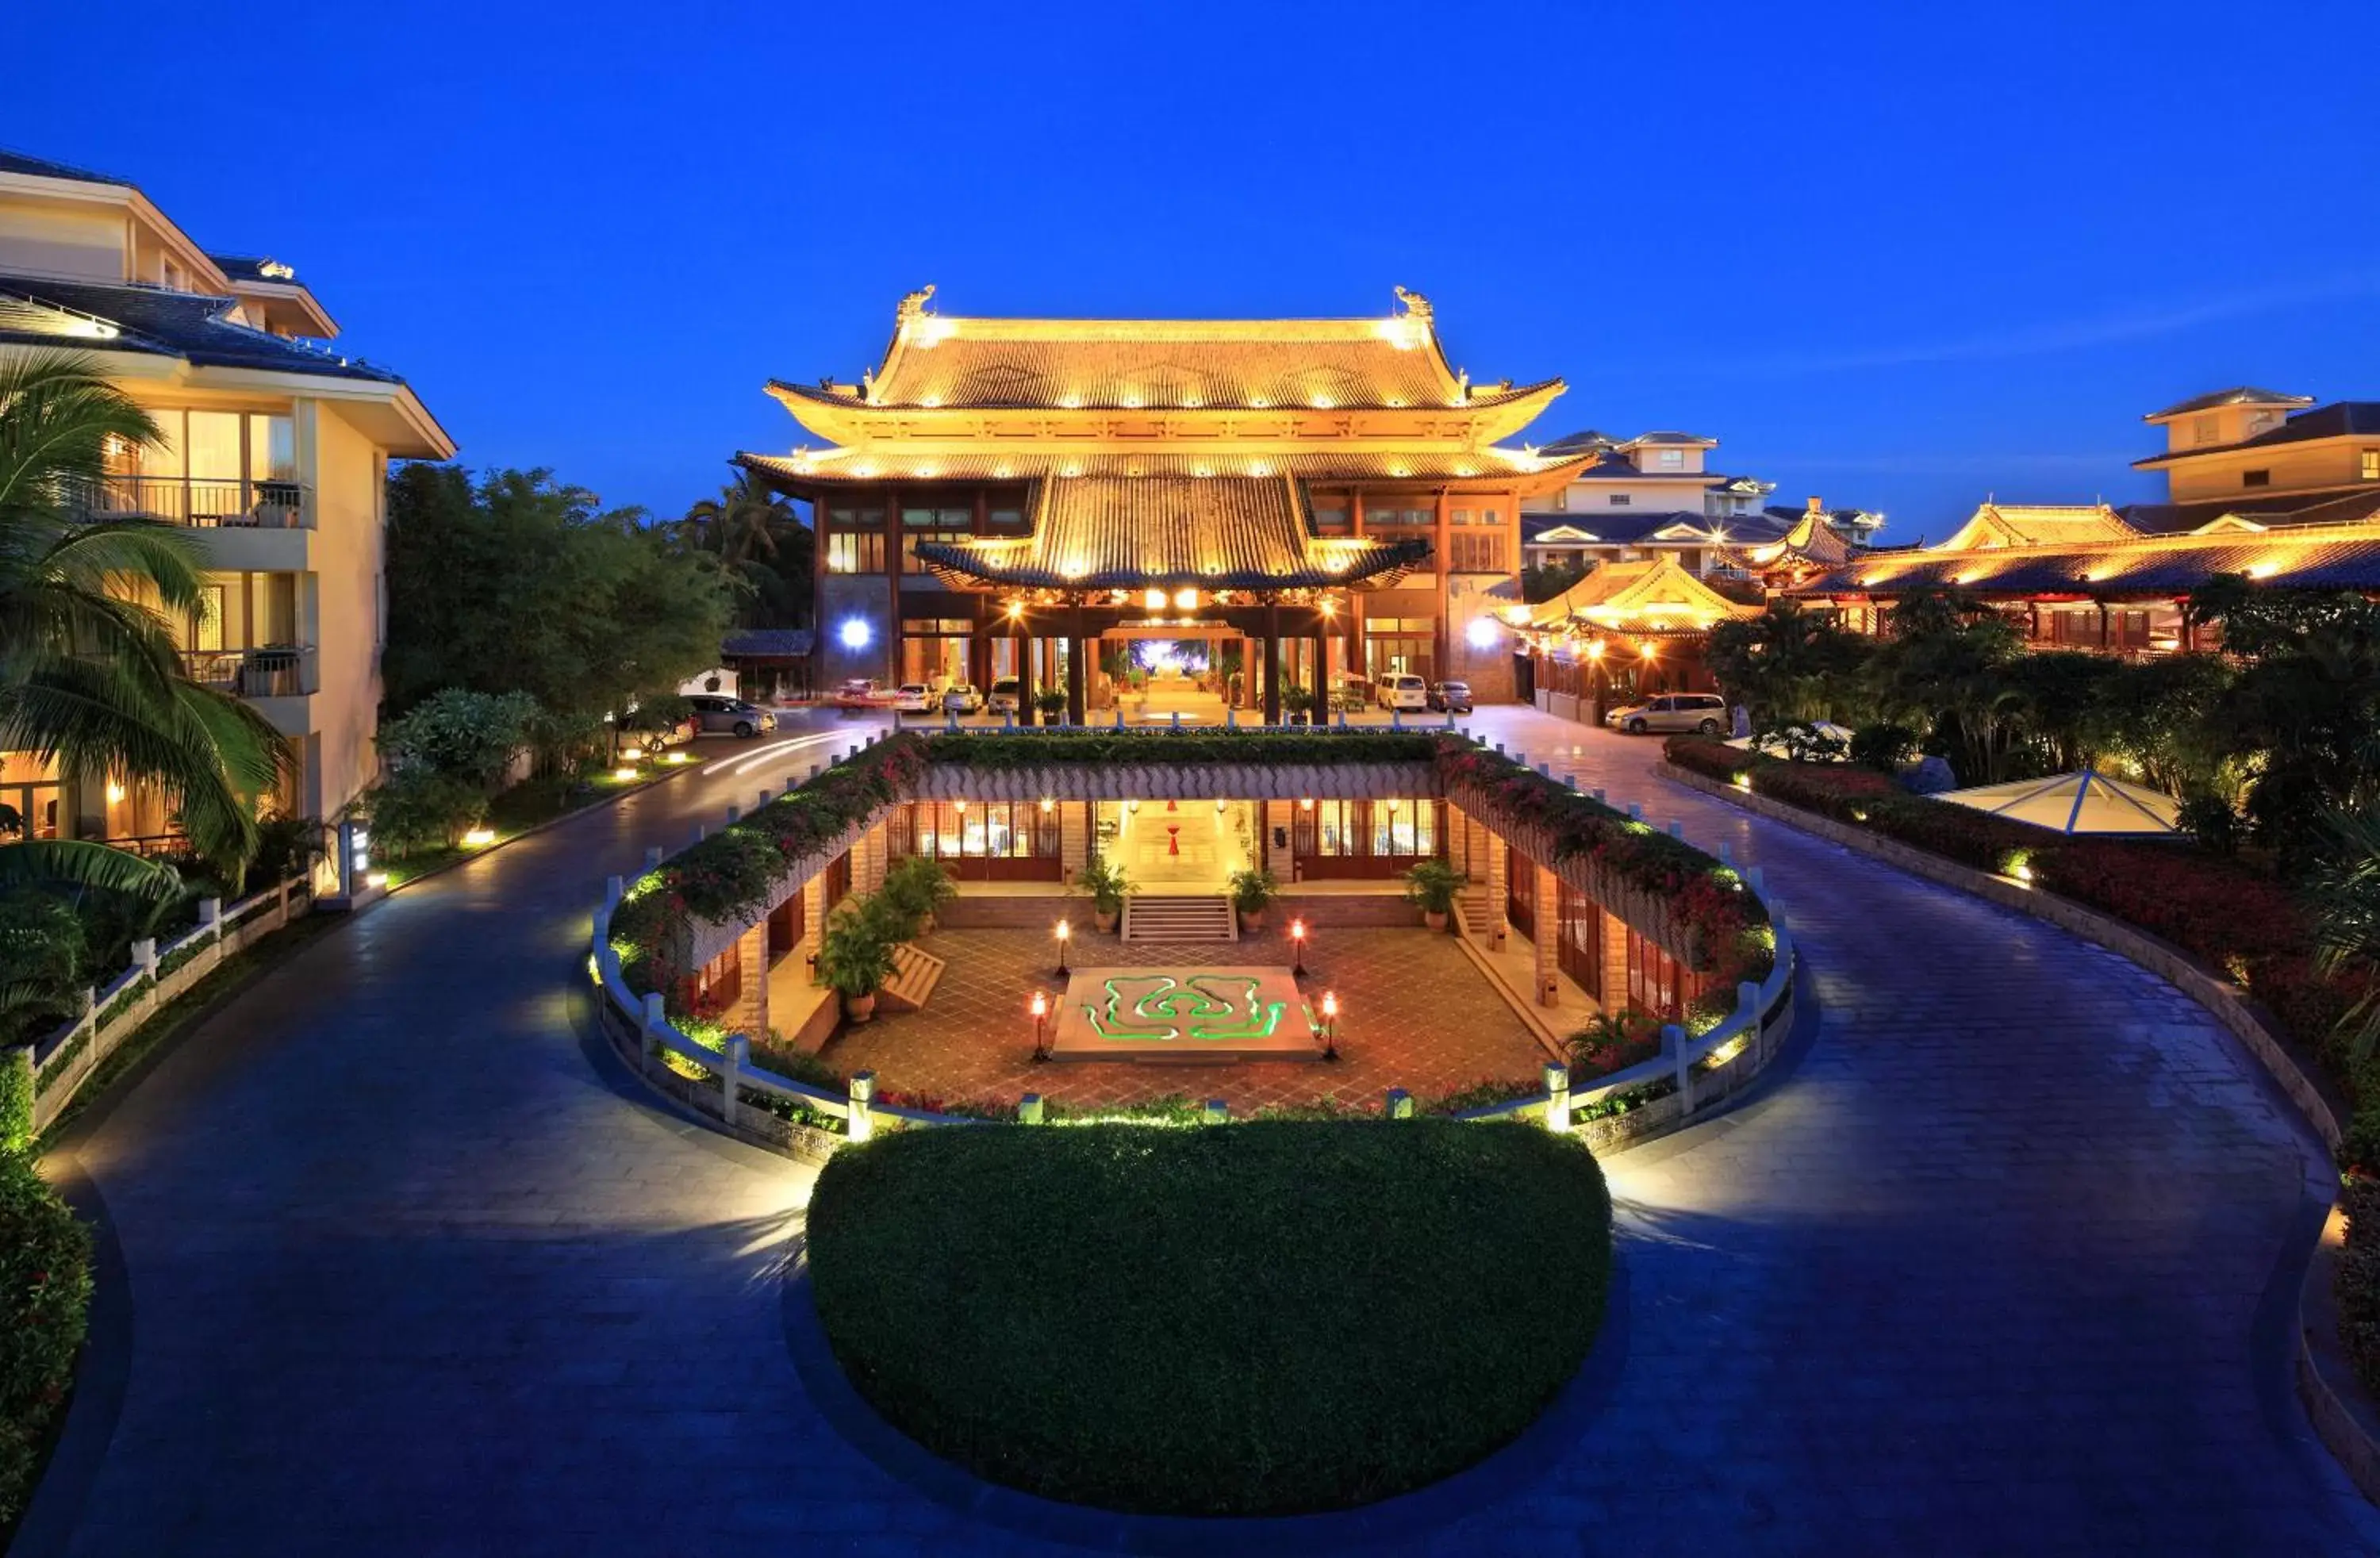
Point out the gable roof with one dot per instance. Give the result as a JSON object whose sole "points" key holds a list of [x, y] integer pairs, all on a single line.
{"points": [[1998, 524], [41, 168], [2257, 510], [1654, 596], [2340, 419], [109, 317], [2339, 556], [2240, 394]]}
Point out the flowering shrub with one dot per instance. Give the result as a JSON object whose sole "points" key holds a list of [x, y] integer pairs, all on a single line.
{"points": [[44, 1289], [1723, 928]]}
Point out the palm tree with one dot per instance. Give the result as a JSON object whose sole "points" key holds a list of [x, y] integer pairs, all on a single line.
{"points": [[741, 523], [2342, 894], [89, 674]]}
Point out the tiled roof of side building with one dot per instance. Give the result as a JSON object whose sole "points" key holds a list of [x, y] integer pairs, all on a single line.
{"points": [[1125, 532], [2329, 557], [2240, 394], [860, 465], [254, 267], [41, 168], [2257, 509], [1670, 437], [1631, 527], [188, 325]]}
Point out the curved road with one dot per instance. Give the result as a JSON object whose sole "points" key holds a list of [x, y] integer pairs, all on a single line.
{"points": [[2001, 1267]]}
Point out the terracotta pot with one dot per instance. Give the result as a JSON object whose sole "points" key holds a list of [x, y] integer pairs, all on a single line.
{"points": [[1105, 919], [1252, 919], [859, 1009], [1434, 919]]}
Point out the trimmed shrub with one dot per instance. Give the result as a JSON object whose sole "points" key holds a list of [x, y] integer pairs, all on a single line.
{"points": [[44, 1292]]}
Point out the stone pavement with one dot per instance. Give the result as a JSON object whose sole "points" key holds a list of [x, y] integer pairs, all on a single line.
{"points": [[414, 1270], [1416, 1015]]}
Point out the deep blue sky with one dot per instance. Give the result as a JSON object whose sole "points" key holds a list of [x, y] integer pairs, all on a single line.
{"points": [[1902, 255]]}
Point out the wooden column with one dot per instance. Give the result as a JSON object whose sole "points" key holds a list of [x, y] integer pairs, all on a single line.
{"points": [[749, 1015], [1548, 932], [1272, 662], [813, 923], [1023, 655], [1499, 857], [1358, 653], [1075, 665], [896, 643], [1614, 961], [1441, 666]]}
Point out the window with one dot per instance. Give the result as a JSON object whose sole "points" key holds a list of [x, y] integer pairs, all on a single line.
{"points": [[1330, 521], [2255, 479], [1386, 518], [959, 520], [1458, 517], [1673, 459], [1578, 948], [1476, 553], [949, 830], [1333, 837], [2370, 470], [2206, 430], [856, 517], [859, 551], [1491, 516], [1655, 981], [1619, 500]]}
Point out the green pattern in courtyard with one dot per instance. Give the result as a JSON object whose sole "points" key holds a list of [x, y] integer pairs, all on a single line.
{"points": [[1169, 1007]]}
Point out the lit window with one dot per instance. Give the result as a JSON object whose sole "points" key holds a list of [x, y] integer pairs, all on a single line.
{"points": [[1621, 500], [1673, 459], [2372, 465]]}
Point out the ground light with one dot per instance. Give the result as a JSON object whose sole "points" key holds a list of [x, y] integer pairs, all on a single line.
{"points": [[1062, 932], [1297, 939], [1040, 1026], [624, 773], [476, 838], [1329, 1025]]}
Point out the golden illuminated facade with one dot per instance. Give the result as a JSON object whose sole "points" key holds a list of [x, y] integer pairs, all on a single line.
{"points": [[1307, 499]]}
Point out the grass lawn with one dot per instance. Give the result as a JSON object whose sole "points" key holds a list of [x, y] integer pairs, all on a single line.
{"points": [[1259, 1318], [524, 807]]}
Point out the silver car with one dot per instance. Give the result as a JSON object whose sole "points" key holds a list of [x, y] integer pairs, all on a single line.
{"points": [[713, 713], [1672, 713]]}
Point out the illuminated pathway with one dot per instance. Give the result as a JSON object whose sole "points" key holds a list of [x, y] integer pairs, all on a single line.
{"points": [[411, 1271]]}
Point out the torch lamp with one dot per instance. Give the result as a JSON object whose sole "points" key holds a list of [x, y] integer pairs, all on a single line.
{"points": [[1329, 1025], [1062, 932], [1040, 1026], [1297, 941]]}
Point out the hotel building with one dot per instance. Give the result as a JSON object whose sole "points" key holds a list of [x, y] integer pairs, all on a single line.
{"points": [[274, 451]]}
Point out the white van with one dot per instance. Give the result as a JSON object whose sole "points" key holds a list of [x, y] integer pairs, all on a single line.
{"points": [[1401, 690]]}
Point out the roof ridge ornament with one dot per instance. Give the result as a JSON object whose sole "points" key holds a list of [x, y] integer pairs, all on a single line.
{"points": [[912, 307], [1413, 305]]}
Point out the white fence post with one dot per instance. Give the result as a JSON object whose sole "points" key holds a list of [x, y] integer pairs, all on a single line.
{"points": [[734, 814], [1747, 1007], [144, 956], [1673, 1040], [650, 1030], [733, 1061], [613, 889], [1636, 810], [859, 1127], [1557, 1098], [209, 910], [652, 856], [765, 797]]}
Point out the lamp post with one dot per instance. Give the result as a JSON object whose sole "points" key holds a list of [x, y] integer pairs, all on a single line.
{"points": [[1062, 931], [1329, 1025], [1040, 1026], [1297, 939]]}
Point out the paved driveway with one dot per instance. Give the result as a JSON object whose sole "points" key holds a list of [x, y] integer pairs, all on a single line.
{"points": [[411, 1271]]}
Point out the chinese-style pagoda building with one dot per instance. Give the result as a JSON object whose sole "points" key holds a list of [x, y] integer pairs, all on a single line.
{"points": [[1302, 498]]}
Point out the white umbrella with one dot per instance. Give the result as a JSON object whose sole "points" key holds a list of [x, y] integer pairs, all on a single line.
{"points": [[2085, 801]]}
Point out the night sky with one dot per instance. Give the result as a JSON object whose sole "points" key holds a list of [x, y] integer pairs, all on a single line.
{"points": [[1902, 256]]}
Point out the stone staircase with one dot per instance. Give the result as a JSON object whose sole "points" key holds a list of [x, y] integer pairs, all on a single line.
{"points": [[1200, 917], [1473, 915], [914, 974]]}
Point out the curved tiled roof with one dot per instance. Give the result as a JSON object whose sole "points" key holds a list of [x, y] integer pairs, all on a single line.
{"points": [[1098, 532], [1019, 464], [37, 311], [2320, 557]]}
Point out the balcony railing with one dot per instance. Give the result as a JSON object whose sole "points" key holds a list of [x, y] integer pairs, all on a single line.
{"points": [[195, 500], [283, 671]]}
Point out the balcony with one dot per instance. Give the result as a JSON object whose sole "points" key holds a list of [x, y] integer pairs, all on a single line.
{"points": [[281, 671], [200, 502]]}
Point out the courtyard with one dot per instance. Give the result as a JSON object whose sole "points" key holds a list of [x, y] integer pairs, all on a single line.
{"points": [[1416, 1014]]}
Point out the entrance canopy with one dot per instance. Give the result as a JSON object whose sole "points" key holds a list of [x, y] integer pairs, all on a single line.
{"points": [[2085, 801]]}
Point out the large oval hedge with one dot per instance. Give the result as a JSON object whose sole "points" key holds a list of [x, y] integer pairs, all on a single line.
{"points": [[1259, 1318]]}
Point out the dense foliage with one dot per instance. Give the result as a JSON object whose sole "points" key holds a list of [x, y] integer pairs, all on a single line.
{"points": [[44, 1293], [515, 584], [1061, 1309], [764, 552]]}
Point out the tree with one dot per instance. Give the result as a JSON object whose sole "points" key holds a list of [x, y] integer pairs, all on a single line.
{"points": [[1940, 670], [764, 550], [2343, 897], [519, 585], [1789, 665], [89, 672]]}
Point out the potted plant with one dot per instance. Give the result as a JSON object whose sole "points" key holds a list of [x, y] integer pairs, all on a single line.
{"points": [[855, 956], [1298, 701], [1053, 704], [1106, 886], [915, 888], [1252, 890], [1432, 884]]}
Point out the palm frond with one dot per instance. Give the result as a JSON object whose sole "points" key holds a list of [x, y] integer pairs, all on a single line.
{"points": [[73, 862]]}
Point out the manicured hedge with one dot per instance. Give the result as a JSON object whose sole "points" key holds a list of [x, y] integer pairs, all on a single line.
{"points": [[44, 1289], [1202, 747], [1256, 1319]]}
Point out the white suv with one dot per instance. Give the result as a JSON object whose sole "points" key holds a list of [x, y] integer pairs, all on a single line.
{"points": [[1670, 714], [1401, 690]]}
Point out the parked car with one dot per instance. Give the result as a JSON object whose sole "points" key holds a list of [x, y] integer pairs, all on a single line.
{"points": [[1402, 689], [713, 713], [962, 699], [1672, 714], [859, 692], [1007, 696], [912, 698], [1453, 697]]}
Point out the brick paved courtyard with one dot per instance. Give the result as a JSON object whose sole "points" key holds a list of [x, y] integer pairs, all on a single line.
{"points": [[1415, 1014]]}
